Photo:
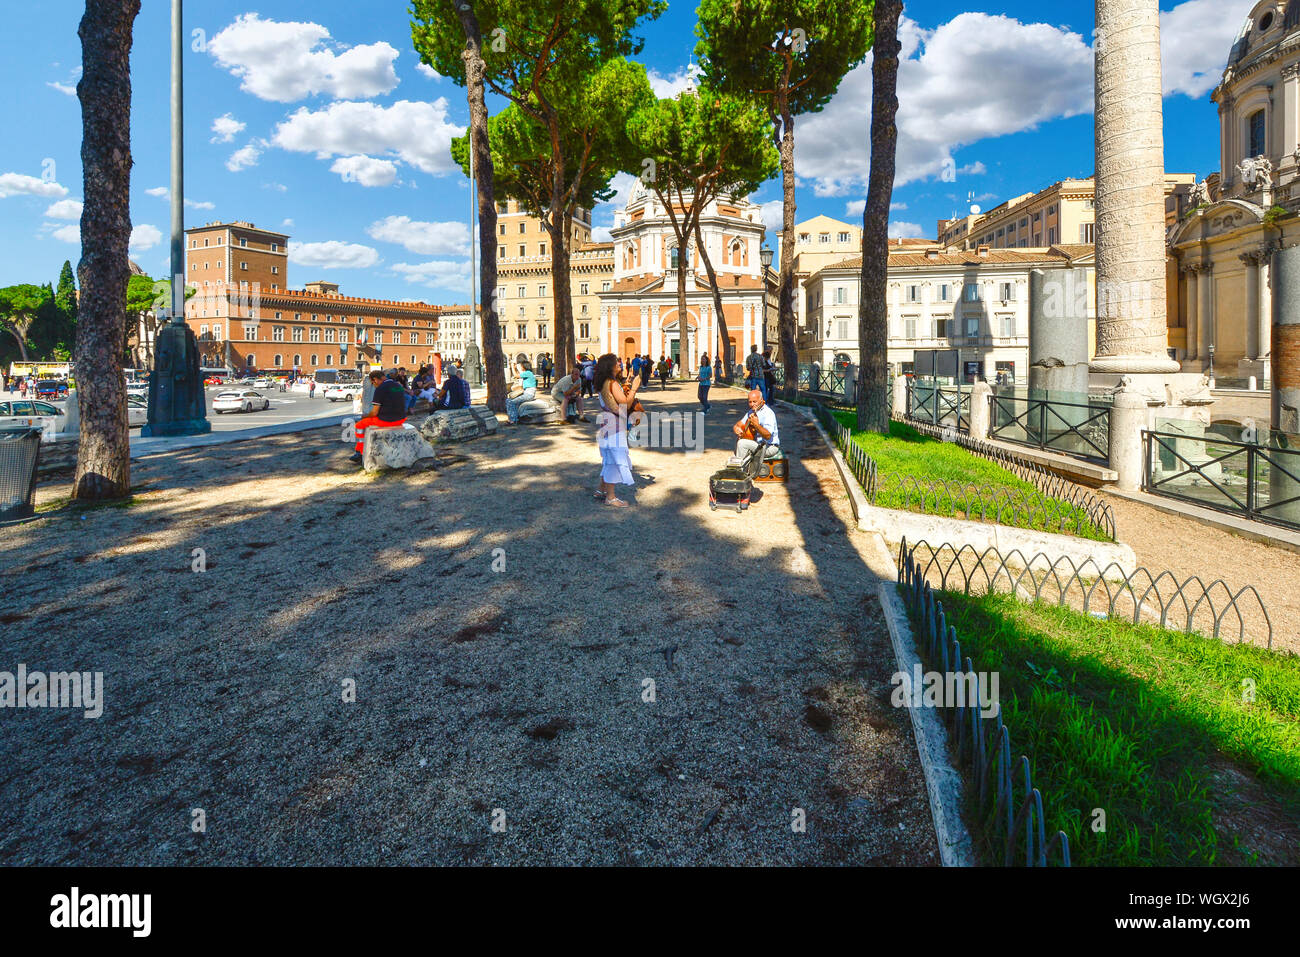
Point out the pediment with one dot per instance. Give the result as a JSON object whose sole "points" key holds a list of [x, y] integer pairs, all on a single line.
{"points": [[1217, 219]]}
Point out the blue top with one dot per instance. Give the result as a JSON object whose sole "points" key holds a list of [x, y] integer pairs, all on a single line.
{"points": [[706, 373], [528, 379]]}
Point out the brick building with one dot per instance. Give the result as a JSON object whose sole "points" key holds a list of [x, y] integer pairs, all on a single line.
{"points": [[246, 317]]}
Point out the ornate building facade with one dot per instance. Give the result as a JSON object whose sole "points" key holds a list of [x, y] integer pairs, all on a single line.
{"points": [[1221, 280]]}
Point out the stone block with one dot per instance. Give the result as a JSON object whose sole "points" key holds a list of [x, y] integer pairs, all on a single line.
{"points": [[394, 448], [540, 409], [457, 425]]}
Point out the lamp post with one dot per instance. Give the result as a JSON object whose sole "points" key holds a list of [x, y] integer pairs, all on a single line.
{"points": [[765, 257], [177, 402]]}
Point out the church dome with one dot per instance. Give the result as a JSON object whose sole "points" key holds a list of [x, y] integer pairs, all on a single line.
{"points": [[1292, 16]]}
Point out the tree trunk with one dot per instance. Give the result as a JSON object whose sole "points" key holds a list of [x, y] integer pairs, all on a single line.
{"points": [[489, 327], [873, 305], [683, 256], [785, 288], [562, 301], [1131, 307], [103, 455], [723, 336], [21, 336]]}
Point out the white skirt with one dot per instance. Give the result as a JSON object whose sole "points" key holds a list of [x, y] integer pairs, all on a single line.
{"points": [[616, 464]]}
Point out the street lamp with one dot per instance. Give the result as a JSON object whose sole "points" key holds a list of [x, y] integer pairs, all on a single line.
{"points": [[765, 257]]}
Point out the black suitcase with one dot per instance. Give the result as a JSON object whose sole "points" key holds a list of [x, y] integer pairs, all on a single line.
{"points": [[731, 487]]}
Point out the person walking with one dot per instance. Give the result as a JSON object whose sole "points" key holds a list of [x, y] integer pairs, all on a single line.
{"points": [[662, 370], [311, 388], [546, 372], [616, 403], [717, 369], [753, 368], [769, 375], [706, 380]]}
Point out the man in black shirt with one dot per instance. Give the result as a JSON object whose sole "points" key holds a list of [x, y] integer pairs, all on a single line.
{"points": [[388, 410]]}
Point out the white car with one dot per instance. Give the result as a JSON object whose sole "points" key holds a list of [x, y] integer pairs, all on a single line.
{"points": [[139, 390], [243, 400], [342, 390], [137, 412]]}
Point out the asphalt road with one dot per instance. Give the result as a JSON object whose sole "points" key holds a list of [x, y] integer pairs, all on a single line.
{"points": [[285, 407]]}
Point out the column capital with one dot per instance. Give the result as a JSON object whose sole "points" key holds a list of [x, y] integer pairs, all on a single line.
{"points": [[1291, 70]]}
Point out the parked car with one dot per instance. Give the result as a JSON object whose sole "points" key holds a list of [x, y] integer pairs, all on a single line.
{"points": [[26, 409], [342, 390], [240, 400], [262, 382], [137, 412], [50, 389], [138, 390], [214, 380]]}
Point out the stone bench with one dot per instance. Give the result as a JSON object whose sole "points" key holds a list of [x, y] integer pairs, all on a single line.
{"points": [[394, 448], [540, 409], [459, 425]]}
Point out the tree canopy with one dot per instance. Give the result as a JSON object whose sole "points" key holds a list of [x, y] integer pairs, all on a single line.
{"points": [[20, 306]]}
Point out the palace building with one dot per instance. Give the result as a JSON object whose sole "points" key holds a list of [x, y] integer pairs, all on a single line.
{"points": [[247, 318]]}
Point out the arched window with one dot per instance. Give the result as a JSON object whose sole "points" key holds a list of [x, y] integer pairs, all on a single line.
{"points": [[1256, 135], [672, 257], [297, 359], [313, 360], [739, 254], [279, 360]]}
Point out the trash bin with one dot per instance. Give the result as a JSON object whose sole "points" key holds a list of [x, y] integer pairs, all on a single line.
{"points": [[20, 450]]}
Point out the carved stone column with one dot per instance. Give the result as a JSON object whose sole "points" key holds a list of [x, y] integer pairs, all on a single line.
{"points": [[1251, 260], [1205, 311], [1193, 307]]}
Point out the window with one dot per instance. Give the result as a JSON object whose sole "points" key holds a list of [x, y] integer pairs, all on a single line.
{"points": [[584, 330], [541, 249], [501, 252], [541, 330], [824, 237], [297, 333], [945, 292], [1051, 235], [502, 229], [379, 337], [604, 286], [909, 327], [275, 247], [842, 329], [428, 338], [329, 360], [216, 331], [277, 361], [582, 288], [1024, 223], [521, 312], [523, 250], [1256, 144], [972, 293], [972, 326], [541, 289], [250, 331], [277, 335], [343, 335], [275, 270], [913, 293], [314, 336], [1087, 233], [205, 265], [844, 237], [329, 335], [584, 309], [804, 237], [297, 359], [194, 266], [203, 332], [941, 327], [1008, 292], [313, 360], [1008, 326], [839, 295], [523, 228], [521, 330]]}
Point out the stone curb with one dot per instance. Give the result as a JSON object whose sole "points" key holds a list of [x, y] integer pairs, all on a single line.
{"points": [[943, 783]]}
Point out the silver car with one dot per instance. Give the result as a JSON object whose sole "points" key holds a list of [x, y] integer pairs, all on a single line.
{"points": [[241, 400]]}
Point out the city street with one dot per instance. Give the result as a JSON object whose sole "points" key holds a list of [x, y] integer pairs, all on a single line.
{"points": [[285, 407]]}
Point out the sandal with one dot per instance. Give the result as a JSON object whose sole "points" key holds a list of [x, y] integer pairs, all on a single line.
{"points": [[616, 503], [598, 496]]}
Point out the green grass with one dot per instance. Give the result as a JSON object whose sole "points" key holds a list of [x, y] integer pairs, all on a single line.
{"points": [[1147, 724], [907, 452]]}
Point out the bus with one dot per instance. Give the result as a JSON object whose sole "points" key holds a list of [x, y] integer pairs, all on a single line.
{"points": [[332, 376]]}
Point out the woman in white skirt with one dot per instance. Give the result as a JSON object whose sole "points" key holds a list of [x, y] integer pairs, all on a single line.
{"points": [[611, 438]]}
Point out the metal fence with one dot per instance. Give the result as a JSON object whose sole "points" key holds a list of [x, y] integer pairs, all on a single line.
{"points": [[1190, 606], [1259, 482], [1051, 485], [1076, 428], [939, 405], [982, 744]]}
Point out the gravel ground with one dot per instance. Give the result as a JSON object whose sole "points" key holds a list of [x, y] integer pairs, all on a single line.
{"points": [[1186, 547], [511, 695]]}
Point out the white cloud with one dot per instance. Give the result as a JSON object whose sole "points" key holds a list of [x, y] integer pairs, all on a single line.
{"points": [[1030, 73], [278, 187], [243, 157], [70, 233], [424, 239], [416, 133], [333, 255], [972, 169], [162, 192], [65, 209], [428, 71], [772, 213], [144, 237], [287, 224], [365, 170], [226, 127], [1195, 39], [63, 88], [443, 273], [897, 207], [287, 61], [667, 87], [601, 234], [18, 184], [901, 230]]}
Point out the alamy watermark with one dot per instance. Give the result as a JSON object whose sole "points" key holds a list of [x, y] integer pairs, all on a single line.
{"points": [[653, 430], [57, 689], [945, 689]]}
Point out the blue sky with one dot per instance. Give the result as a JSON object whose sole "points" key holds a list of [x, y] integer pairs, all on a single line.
{"points": [[314, 119]]}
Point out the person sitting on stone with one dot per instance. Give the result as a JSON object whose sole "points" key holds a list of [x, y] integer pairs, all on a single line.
{"points": [[757, 425], [454, 393], [525, 389], [568, 392], [388, 409]]}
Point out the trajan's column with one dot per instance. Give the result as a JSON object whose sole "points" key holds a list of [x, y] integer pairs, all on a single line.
{"points": [[1130, 215]]}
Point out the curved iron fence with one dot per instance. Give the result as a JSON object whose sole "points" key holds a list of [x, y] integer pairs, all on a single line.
{"points": [[1047, 482], [1105, 591], [982, 744]]}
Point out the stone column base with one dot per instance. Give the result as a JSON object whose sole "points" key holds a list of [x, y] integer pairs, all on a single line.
{"points": [[1134, 365]]}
